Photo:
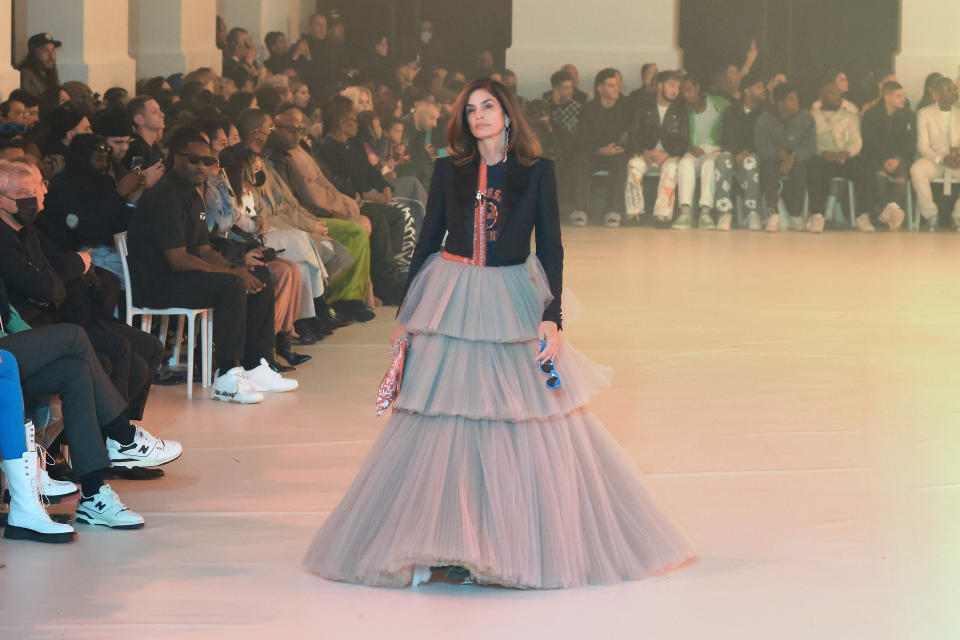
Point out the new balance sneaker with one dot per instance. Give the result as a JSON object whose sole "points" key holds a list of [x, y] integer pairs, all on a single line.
{"points": [[816, 223], [105, 508], [754, 223], [265, 379], [892, 216], [773, 223], [683, 220], [723, 224], [144, 451], [864, 224], [612, 220], [706, 220], [233, 386], [578, 219]]}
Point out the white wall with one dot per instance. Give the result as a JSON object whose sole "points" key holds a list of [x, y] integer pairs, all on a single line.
{"points": [[9, 77], [592, 34], [929, 41]]}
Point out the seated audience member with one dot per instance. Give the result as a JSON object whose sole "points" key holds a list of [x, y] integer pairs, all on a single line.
{"points": [[173, 265], [360, 98], [786, 140], [563, 119], [115, 125], [738, 157], [13, 118], [269, 97], [280, 56], [418, 129], [838, 145], [65, 122], [346, 164], [938, 143], [929, 90], [578, 95], [318, 192], [706, 119], [406, 190], [301, 95], [350, 293], [659, 135], [889, 142], [59, 361], [601, 137], [838, 78], [47, 286], [240, 52], [144, 148], [27, 519], [377, 64], [648, 86], [234, 216], [84, 208], [884, 78]]}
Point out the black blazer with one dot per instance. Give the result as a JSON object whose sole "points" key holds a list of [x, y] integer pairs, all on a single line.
{"points": [[529, 206]]}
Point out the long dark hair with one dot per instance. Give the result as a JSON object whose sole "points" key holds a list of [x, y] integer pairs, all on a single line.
{"points": [[522, 140], [50, 77]]}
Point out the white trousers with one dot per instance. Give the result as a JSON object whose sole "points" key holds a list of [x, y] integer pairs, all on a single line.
{"points": [[922, 172], [687, 178], [666, 190]]}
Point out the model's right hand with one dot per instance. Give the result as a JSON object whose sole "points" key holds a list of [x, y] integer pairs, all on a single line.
{"points": [[398, 334]]}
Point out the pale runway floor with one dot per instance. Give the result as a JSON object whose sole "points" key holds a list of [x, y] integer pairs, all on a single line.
{"points": [[792, 400]]}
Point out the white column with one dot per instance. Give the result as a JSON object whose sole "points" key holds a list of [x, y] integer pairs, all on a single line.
{"points": [[929, 41], [173, 36], [9, 77], [600, 33], [94, 36]]}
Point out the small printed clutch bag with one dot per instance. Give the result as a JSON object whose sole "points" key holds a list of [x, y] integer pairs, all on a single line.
{"points": [[390, 385]]}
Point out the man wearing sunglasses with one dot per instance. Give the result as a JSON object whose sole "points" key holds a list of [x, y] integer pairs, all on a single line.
{"points": [[173, 265]]}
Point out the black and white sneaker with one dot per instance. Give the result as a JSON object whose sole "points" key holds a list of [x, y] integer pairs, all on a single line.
{"points": [[144, 451], [105, 508]]}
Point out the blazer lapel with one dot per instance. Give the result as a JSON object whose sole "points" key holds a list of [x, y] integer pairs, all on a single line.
{"points": [[515, 184], [465, 187]]}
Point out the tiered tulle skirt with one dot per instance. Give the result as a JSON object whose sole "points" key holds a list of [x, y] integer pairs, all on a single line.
{"points": [[481, 466]]}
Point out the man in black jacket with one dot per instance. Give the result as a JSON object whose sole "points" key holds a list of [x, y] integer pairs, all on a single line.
{"points": [[601, 141], [47, 286], [658, 137], [739, 158], [889, 141]]}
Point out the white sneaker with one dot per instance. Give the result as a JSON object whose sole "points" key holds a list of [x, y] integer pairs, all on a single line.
{"points": [[723, 224], [754, 223], [144, 451], [773, 223], [263, 378], [892, 216], [612, 220], [578, 219], [233, 386], [816, 223], [106, 509], [797, 224], [864, 224]]}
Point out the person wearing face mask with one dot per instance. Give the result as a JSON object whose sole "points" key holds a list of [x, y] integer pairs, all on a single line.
{"points": [[491, 469], [430, 48], [48, 286], [13, 119]]}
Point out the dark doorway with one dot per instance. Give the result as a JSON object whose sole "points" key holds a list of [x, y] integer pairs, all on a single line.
{"points": [[465, 28], [803, 38]]}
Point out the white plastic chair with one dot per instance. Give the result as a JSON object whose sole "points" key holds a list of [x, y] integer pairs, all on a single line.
{"points": [[146, 322]]}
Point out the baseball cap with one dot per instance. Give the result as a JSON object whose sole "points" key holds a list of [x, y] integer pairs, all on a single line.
{"points": [[38, 40]]}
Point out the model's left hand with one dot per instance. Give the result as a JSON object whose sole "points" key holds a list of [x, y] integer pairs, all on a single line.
{"points": [[550, 334]]}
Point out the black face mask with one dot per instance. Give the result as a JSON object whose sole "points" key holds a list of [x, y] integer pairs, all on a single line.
{"points": [[259, 178], [27, 210]]}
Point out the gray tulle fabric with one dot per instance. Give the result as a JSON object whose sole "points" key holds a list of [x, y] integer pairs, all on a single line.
{"points": [[481, 466]]}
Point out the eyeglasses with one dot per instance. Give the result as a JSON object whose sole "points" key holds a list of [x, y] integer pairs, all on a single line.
{"points": [[101, 148], [293, 129], [265, 132], [192, 158], [546, 368]]}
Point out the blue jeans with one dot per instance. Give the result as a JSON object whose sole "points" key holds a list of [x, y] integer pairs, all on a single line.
{"points": [[13, 442]]}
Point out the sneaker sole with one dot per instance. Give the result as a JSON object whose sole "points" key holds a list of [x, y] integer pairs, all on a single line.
{"points": [[11, 532], [134, 463], [93, 520], [222, 397]]}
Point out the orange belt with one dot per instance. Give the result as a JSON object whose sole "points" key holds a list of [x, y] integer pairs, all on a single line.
{"points": [[452, 256]]}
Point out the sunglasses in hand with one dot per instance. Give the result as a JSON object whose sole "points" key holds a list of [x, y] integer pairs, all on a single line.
{"points": [[547, 369]]}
